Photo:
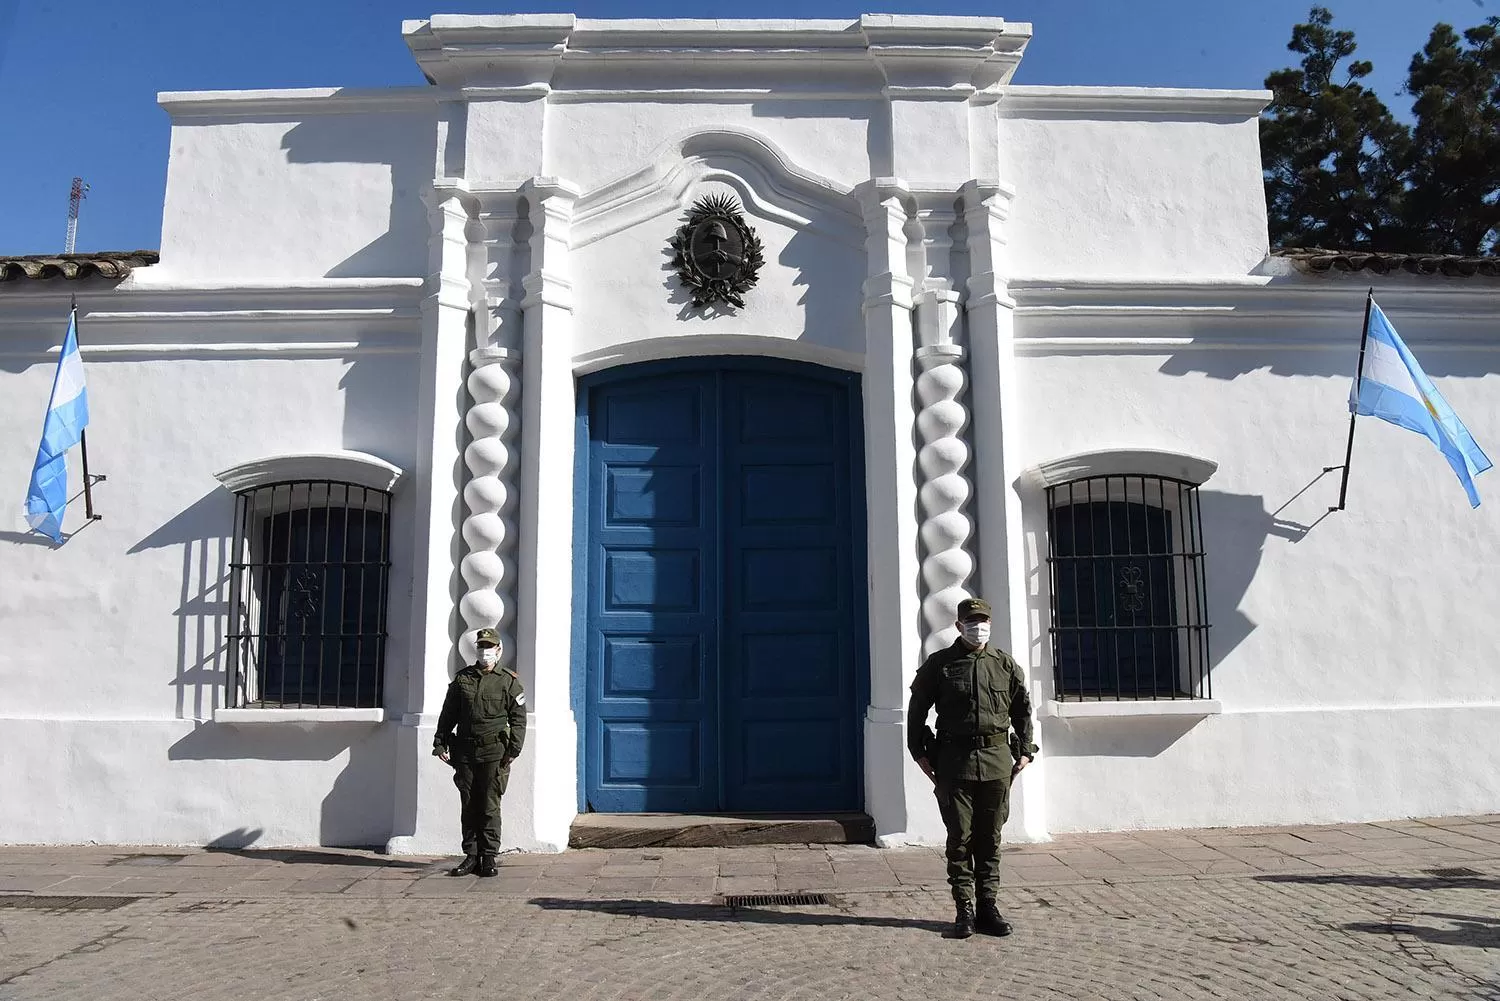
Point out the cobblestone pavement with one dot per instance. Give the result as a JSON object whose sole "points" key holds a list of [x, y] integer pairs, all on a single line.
{"points": [[1394, 910]]}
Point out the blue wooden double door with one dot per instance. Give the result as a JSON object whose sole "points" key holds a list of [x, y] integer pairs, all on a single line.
{"points": [[724, 632]]}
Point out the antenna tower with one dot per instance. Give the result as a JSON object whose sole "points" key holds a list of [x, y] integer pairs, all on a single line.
{"points": [[78, 193]]}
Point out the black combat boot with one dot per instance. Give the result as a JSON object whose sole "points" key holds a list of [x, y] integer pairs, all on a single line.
{"points": [[487, 866], [990, 921], [464, 868], [963, 920]]}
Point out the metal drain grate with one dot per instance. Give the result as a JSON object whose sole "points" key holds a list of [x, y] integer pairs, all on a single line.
{"points": [[146, 859], [35, 903], [774, 899], [1456, 872]]}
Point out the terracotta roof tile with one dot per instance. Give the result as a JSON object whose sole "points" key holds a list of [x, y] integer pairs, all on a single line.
{"points": [[1317, 261], [109, 264]]}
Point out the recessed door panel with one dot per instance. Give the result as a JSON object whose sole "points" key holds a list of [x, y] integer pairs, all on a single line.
{"points": [[724, 625]]}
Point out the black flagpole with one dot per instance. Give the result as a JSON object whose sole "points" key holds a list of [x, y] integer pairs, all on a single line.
{"points": [[83, 436], [1359, 376]]}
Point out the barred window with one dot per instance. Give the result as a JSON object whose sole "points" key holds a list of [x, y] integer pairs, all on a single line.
{"points": [[308, 589], [1129, 595]]}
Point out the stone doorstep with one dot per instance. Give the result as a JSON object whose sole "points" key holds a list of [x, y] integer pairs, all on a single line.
{"points": [[667, 830]]}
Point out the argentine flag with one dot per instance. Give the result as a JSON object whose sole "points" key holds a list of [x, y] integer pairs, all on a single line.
{"points": [[67, 416], [1393, 387]]}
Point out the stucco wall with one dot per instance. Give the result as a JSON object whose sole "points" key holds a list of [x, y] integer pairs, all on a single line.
{"points": [[1355, 674], [115, 641], [593, 142], [264, 193], [1140, 194]]}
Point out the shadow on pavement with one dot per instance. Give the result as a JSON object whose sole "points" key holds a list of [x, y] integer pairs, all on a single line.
{"points": [[743, 915], [1471, 931], [305, 856], [1393, 882]]}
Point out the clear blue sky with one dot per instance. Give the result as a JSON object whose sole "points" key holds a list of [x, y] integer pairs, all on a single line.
{"points": [[80, 79]]}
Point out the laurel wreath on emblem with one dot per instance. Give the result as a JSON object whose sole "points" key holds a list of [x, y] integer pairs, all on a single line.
{"points": [[718, 257]]}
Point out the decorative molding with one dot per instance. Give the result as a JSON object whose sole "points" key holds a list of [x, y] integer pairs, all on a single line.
{"points": [[358, 468], [769, 185], [552, 203], [1255, 295], [522, 56], [1127, 101], [489, 530], [708, 95], [1055, 709], [236, 349], [295, 103], [293, 717], [1118, 462], [883, 202], [679, 345]]}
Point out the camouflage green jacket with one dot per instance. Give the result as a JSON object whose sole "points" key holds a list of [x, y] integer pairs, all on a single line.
{"points": [[979, 695], [483, 717]]}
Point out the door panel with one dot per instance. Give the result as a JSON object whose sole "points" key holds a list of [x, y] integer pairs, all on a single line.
{"points": [[652, 600], [788, 653], [723, 646]]}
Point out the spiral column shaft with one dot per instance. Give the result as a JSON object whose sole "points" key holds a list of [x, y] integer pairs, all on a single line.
{"points": [[489, 530], [947, 564]]}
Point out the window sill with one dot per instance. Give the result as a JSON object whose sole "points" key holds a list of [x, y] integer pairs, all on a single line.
{"points": [[1132, 707], [293, 716]]}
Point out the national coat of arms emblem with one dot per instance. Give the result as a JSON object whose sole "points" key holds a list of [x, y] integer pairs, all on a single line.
{"points": [[718, 255]]}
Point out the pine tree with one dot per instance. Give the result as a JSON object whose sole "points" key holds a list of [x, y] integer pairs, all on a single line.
{"points": [[1332, 152], [1453, 202]]}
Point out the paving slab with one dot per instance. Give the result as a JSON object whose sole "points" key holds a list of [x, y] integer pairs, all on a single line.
{"points": [[1348, 911]]}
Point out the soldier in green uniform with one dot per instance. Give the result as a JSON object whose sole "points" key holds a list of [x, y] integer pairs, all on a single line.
{"points": [[979, 693], [480, 732]]}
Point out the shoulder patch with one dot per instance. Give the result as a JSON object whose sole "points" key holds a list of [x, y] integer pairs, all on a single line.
{"points": [[520, 698]]}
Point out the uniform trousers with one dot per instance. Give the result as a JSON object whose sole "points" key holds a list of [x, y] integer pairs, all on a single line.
{"points": [[480, 786], [973, 812]]}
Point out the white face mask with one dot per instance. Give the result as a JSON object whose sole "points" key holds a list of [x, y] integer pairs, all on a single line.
{"points": [[976, 633], [489, 656]]}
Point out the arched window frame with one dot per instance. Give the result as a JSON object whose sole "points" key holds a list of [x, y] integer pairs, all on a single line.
{"points": [[1145, 488], [282, 502]]}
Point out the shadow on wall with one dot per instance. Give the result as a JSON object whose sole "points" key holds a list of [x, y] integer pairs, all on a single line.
{"points": [[355, 812], [1138, 737], [402, 248], [203, 531], [1235, 529], [1330, 349]]}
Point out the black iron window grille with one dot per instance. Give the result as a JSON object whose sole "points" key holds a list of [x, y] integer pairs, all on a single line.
{"points": [[1129, 596], [307, 592]]}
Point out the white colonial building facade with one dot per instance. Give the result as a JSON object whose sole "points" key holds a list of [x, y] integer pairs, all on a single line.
{"points": [[489, 353]]}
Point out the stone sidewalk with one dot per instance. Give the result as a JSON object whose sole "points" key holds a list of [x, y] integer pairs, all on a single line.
{"points": [[1402, 909]]}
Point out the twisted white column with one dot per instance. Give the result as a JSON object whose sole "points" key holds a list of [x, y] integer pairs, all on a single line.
{"points": [[947, 564], [489, 530]]}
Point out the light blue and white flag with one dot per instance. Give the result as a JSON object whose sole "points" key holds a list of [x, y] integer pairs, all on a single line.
{"points": [[1393, 387], [67, 416]]}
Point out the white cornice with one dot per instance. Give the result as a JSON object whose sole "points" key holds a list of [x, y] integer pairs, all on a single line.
{"points": [[251, 317], [295, 103], [520, 54], [144, 280], [1454, 300], [1020, 101]]}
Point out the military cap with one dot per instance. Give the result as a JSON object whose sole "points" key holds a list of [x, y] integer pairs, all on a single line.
{"points": [[971, 607], [486, 636]]}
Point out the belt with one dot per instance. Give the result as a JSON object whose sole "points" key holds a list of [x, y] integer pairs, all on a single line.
{"points": [[476, 742], [975, 743]]}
